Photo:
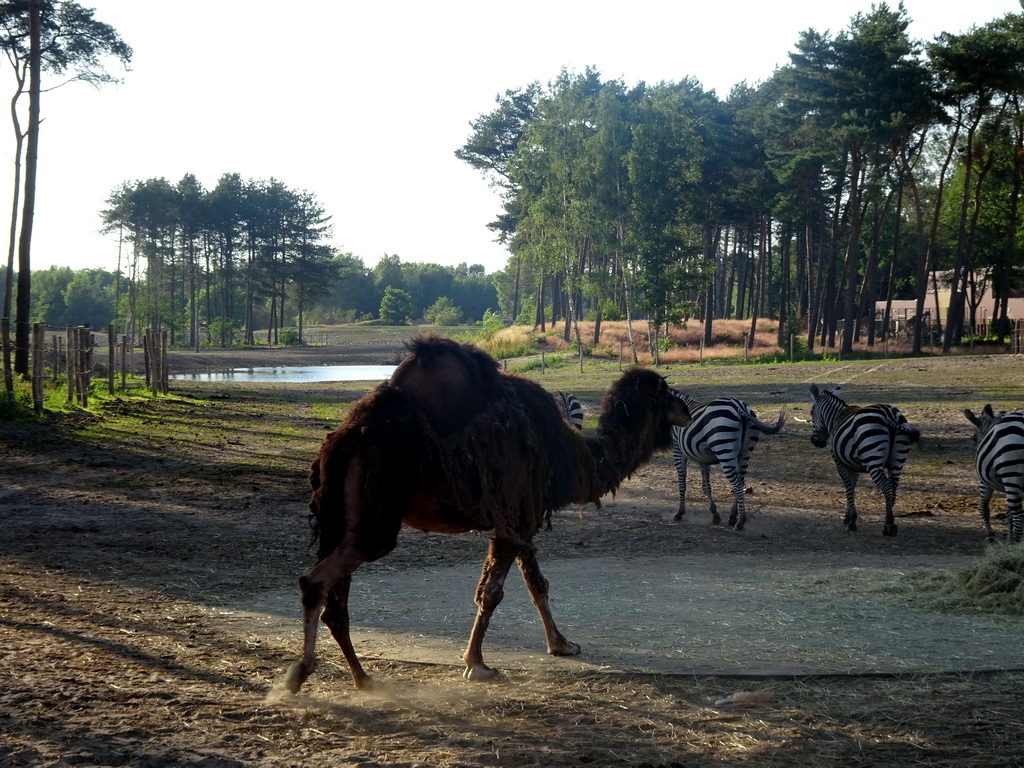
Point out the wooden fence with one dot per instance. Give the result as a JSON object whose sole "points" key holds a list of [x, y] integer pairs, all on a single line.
{"points": [[71, 356]]}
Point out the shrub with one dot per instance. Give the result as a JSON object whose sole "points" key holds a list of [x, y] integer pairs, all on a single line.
{"points": [[443, 312], [288, 337]]}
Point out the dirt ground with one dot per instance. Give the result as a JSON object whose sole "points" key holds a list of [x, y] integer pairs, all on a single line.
{"points": [[148, 604]]}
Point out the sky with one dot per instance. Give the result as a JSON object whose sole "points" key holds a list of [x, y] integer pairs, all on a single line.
{"points": [[364, 103]]}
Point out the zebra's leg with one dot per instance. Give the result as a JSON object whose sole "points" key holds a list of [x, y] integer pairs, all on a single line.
{"points": [[1014, 515], [738, 516], [884, 484], [849, 485], [679, 459], [705, 484], [985, 495]]}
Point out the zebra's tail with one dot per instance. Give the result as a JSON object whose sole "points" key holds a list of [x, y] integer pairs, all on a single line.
{"points": [[770, 429], [910, 431]]}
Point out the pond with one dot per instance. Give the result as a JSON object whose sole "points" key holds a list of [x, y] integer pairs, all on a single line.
{"points": [[293, 374]]}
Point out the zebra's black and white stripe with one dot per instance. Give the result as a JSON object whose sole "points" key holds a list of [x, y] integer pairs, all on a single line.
{"points": [[723, 431], [875, 439], [571, 407], [1000, 466]]}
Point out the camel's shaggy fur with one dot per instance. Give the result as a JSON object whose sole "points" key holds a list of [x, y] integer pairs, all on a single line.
{"points": [[451, 444]]}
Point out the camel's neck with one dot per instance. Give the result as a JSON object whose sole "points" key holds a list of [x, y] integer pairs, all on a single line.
{"points": [[617, 457]]}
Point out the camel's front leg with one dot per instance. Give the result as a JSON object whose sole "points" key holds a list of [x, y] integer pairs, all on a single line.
{"points": [[489, 593], [538, 586], [331, 576], [335, 616]]}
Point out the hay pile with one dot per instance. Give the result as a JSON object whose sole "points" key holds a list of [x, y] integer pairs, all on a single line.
{"points": [[995, 582]]}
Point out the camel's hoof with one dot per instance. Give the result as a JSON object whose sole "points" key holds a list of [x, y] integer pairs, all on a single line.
{"points": [[480, 673], [368, 685], [889, 529], [297, 675], [569, 649]]}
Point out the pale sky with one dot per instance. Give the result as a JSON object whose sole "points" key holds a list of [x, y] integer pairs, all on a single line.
{"points": [[364, 103]]}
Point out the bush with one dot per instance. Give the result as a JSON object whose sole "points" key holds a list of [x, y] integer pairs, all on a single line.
{"points": [[443, 312], [395, 307]]}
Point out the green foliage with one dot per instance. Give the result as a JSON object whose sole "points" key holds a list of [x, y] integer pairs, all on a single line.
{"points": [[395, 307], [552, 362], [223, 332], [490, 326], [443, 312], [288, 337]]}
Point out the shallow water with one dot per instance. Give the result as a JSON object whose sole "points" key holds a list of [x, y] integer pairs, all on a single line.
{"points": [[294, 374]]}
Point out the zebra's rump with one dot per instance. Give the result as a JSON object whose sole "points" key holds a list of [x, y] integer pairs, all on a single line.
{"points": [[875, 433], [1000, 457], [722, 428]]}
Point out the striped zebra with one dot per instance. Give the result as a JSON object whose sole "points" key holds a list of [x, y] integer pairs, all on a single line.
{"points": [[874, 439], [723, 431], [571, 407], [1000, 466]]}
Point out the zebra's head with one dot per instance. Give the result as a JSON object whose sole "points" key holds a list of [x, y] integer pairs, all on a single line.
{"points": [[983, 423], [823, 412], [690, 402]]}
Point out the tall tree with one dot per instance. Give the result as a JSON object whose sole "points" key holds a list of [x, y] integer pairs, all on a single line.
{"points": [[64, 39]]}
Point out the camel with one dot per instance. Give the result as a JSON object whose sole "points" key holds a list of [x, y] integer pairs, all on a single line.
{"points": [[451, 444]]}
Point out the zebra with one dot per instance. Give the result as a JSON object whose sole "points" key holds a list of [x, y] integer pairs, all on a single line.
{"points": [[571, 408], [723, 431], [1000, 466], [875, 439]]}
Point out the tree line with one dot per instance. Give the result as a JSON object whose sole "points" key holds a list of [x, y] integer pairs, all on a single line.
{"points": [[392, 291], [862, 171]]}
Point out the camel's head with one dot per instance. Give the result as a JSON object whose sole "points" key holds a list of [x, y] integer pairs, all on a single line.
{"points": [[640, 404]]}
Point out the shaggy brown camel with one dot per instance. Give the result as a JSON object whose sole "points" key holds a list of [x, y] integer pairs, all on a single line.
{"points": [[450, 445]]}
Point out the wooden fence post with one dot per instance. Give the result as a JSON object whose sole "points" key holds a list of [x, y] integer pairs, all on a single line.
{"points": [[5, 331], [38, 366], [84, 365], [111, 343], [72, 357], [124, 370]]}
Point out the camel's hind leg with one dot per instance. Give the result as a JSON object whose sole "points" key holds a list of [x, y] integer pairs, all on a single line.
{"points": [[538, 586], [489, 593], [327, 585]]}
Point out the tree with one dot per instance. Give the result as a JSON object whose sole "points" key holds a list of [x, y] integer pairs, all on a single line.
{"points": [[982, 78], [395, 307], [443, 312], [64, 39]]}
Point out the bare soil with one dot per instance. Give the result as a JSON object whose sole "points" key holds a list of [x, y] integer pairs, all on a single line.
{"points": [[148, 603]]}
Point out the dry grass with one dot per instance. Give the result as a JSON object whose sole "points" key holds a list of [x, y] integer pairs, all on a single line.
{"points": [[995, 582], [729, 337]]}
